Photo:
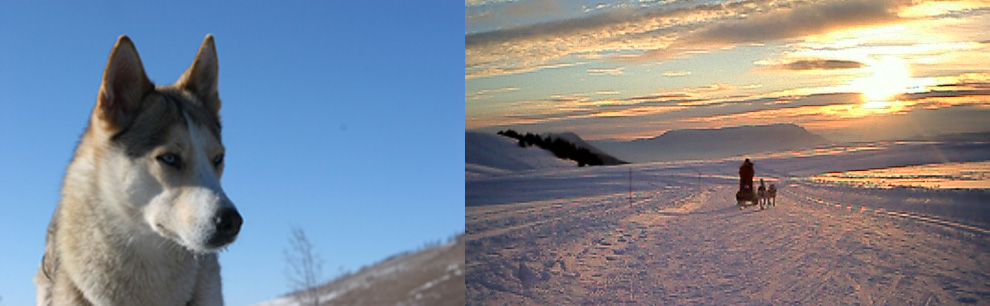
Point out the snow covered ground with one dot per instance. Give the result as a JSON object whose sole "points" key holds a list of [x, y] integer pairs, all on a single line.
{"points": [[490, 154], [670, 233]]}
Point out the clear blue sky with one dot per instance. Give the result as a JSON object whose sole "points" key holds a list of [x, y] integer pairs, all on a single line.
{"points": [[344, 118]]}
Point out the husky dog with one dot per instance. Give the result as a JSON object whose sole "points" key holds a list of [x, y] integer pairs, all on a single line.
{"points": [[142, 213], [772, 195], [761, 195]]}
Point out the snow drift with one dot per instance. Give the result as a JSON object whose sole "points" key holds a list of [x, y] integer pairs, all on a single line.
{"points": [[489, 154]]}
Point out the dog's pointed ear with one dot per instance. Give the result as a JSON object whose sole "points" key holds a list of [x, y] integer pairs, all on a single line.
{"points": [[201, 77], [124, 85]]}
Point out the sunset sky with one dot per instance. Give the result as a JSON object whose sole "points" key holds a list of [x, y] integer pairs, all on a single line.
{"points": [[847, 70]]}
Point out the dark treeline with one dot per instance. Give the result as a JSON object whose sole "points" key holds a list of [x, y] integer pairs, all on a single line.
{"points": [[558, 146]]}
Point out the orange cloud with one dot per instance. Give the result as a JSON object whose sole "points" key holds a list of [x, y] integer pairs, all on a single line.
{"points": [[819, 64], [659, 32]]}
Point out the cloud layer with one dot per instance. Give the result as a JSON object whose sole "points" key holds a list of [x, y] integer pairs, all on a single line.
{"points": [[821, 64], [652, 33], [816, 63], [626, 117]]}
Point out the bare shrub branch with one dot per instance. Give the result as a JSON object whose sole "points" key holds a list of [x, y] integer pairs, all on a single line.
{"points": [[304, 268]]}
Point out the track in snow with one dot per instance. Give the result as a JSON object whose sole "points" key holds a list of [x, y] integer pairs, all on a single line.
{"points": [[898, 214], [688, 244]]}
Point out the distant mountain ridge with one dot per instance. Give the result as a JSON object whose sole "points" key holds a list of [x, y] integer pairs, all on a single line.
{"points": [[712, 143]]}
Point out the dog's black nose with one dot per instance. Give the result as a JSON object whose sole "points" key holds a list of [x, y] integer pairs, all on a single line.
{"points": [[228, 223]]}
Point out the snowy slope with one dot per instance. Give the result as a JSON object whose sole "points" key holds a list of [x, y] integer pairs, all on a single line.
{"points": [[490, 154], [433, 276], [576, 237]]}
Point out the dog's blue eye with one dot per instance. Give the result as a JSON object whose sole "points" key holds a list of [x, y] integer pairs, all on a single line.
{"points": [[218, 160], [170, 159]]}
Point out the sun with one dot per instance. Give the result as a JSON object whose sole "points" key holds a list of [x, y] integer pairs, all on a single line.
{"points": [[888, 77]]}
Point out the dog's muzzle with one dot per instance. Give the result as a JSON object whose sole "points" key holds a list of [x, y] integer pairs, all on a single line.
{"points": [[228, 224]]}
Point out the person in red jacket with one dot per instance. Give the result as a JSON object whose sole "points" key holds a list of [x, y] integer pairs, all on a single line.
{"points": [[746, 173]]}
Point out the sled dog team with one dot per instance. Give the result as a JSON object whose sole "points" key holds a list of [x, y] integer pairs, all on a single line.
{"points": [[767, 195], [764, 197]]}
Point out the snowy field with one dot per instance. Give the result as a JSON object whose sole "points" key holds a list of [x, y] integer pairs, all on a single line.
{"points": [[670, 233]]}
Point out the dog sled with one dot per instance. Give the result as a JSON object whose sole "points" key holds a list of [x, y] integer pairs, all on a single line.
{"points": [[764, 197], [746, 196]]}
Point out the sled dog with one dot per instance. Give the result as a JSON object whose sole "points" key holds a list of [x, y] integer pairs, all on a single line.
{"points": [[761, 196], [142, 213], [772, 195]]}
